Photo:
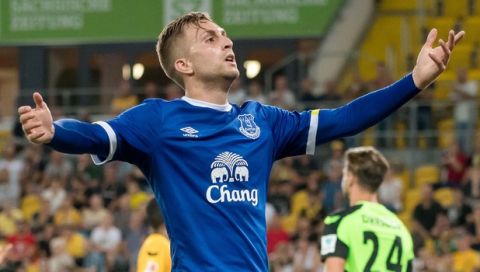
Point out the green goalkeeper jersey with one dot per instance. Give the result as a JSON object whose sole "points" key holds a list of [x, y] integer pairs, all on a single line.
{"points": [[369, 237]]}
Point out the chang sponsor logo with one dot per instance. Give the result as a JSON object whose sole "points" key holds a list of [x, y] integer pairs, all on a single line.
{"points": [[227, 169]]}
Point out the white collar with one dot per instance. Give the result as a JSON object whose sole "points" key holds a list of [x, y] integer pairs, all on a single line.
{"points": [[199, 103]]}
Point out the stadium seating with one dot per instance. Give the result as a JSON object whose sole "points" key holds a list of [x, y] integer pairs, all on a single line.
{"points": [[442, 90], [397, 32], [406, 218], [412, 197], [299, 202], [444, 196], [426, 174], [446, 130], [405, 5], [472, 27], [454, 8]]}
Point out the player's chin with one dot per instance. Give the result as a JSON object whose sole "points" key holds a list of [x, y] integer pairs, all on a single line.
{"points": [[232, 73]]}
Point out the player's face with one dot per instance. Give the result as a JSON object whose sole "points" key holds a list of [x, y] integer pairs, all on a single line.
{"points": [[210, 52]]}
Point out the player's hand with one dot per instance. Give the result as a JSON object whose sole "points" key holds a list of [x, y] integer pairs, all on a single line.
{"points": [[37, 123], [431, 62], [3, 252]]}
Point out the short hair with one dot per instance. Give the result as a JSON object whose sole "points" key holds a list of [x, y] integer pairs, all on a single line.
{"points": [[168, 35], [154, 215], [368, 165]]}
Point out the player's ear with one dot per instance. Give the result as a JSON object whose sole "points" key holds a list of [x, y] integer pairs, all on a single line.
{"points": [[183, 66], [350, 179]]}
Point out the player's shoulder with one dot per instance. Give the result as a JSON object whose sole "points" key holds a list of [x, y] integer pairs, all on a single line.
{"points": [[268, 112], [155, 238], [147, 106], [251, 104], [155, 242], [334, 220], [159, 103], [338, 216], [253, 107], [154, 108]]}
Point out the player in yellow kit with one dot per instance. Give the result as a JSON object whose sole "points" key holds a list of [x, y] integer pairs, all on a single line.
{"points": [[154, 255]]}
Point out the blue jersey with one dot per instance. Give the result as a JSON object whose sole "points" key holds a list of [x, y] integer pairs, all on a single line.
{"points": [[209, 170], [209, 165]]}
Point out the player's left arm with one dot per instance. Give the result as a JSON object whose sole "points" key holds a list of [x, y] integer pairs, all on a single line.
{"points": [[333, 250], [373, 107], [335, 264]]}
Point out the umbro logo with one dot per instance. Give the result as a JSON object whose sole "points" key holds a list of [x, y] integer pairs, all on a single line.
{"points": [[189, 132]]}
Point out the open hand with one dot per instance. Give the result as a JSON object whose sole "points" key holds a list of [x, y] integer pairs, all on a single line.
{"points": [[431, 62], [37, 123]]}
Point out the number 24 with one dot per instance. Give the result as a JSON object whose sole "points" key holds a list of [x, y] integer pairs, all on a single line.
{"points": [[397, 246]]}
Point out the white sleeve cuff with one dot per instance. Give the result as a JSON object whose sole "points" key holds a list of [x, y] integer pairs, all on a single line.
{"points": [[112, 137], [312, 133]]}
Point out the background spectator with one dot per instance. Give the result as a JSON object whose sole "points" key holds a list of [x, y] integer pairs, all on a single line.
{"points": [[427, 213], [255, 92], [463, 94], [237, 94], [124, 98], [281, 94]]}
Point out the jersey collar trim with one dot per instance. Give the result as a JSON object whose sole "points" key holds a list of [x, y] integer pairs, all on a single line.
{"points": [[194, 102]]}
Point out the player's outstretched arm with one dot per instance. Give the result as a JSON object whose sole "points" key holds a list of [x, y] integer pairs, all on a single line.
{"points": [[66, 135], [373, 107], [432, 61], [37, 123]]}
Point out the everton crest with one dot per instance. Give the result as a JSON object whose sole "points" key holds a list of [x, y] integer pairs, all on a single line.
{"points": [[248, 126]]}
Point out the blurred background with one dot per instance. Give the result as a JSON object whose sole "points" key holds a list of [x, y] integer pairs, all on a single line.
{"points": [[92, 59]]}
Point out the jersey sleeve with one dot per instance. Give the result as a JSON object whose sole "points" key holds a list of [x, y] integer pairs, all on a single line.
{"points": [[293, 133], [129, 136], [332, 242], [364, 111]]}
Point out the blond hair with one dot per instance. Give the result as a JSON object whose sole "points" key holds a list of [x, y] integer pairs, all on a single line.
{"points": [[165, 43]]}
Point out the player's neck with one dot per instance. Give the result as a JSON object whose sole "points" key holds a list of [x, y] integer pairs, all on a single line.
{"points": [[162, 230], [358, 194], [211, 92]]}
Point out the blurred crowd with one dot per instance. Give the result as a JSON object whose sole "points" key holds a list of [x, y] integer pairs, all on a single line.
{"points": [[62, 213]]}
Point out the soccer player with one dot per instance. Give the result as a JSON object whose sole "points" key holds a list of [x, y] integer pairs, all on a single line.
{"points": [[367, 236], [154, 255], [207, 161]]}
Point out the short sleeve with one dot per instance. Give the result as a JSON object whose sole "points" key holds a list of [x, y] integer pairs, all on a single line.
{"points": [[129, 135], [331, 242], [293, 133]]}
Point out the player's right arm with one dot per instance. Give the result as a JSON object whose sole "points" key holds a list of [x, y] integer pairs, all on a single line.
{"points": [[37, 123], [67, 135], [122, 138]]}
